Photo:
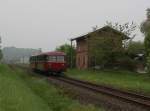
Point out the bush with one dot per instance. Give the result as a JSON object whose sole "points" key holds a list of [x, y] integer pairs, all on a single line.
{"points": [[126, 63]]}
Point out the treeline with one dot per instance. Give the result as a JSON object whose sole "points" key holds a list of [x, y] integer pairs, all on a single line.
{"points": [[14, 55], [145, 29]]}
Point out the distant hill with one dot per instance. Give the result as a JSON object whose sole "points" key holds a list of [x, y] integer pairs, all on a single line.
{"points": [[14, 55]]}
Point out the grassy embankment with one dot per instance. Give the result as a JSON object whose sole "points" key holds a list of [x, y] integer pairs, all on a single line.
{"points": [[20, 91], [118, 79]]}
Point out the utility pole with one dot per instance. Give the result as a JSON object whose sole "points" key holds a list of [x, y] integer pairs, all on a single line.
{"points": [[0, 42], [71, 61]]}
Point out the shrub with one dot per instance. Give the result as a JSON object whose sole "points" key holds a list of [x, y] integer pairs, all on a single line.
{"points": [[126, 63]]}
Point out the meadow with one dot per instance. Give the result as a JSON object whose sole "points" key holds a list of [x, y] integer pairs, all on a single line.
{"points": [[20, 91], [121, 79]]}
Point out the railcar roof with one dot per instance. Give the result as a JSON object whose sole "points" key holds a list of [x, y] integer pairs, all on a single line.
{"points": [[55, 53]]}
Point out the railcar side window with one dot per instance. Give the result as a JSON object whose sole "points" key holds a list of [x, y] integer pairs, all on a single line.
{"points": [[60, 58], [52, 58]]}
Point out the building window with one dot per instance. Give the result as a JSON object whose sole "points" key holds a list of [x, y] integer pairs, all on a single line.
{"points": [[79, 61], [79, 48], [83, 60]]}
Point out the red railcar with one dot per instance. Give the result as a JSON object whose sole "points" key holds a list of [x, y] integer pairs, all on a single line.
{"points": [[50, 62]]}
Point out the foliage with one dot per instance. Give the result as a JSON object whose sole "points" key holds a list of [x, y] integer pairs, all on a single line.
{"points": [[70, 52], [147, 43], [1, 55], [147, 49], [126, 62], [127, 28], [104, 50], [145, 28], [135, 48], [136, 54], [121, 79], [27, 92]]}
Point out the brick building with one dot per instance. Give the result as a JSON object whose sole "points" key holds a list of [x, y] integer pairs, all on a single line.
{"points": [[82, 44]]}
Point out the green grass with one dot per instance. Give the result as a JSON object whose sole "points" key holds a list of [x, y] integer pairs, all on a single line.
{"points": [[119, 79], [20, 91]]}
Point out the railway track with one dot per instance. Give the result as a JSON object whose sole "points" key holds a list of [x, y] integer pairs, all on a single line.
{"points": [[128, 97], [134, 98]]}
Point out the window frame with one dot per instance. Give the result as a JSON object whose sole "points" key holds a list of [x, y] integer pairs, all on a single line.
{"points": [[61, 58], [55, 58]]}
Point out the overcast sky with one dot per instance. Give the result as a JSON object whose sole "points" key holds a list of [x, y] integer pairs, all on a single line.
{"points": [[49, 23]]}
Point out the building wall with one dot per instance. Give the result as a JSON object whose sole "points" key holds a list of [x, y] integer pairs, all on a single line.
{"points": [[82, 54], [24, 60], [115, 39]]}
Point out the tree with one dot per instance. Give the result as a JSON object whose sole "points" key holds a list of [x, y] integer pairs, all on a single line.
{"points": [[145, 26], [103, 51], [135, 48], [126, 28], [1, 54], [100, 51], [145, 29], [70, 51]]}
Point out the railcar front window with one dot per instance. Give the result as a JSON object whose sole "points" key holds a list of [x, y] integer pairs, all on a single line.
{"points": [[60, 58]]}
